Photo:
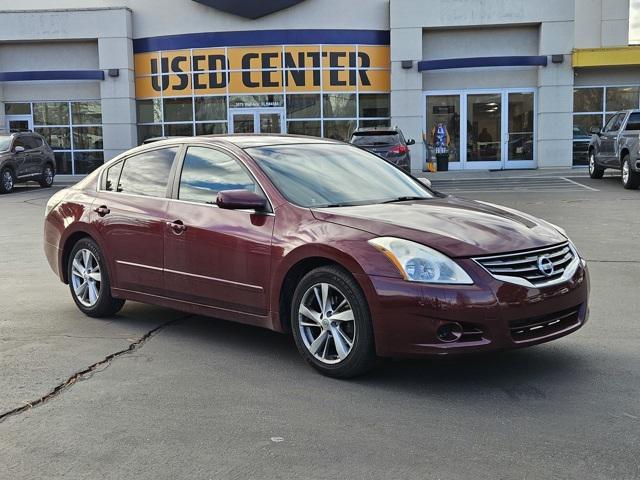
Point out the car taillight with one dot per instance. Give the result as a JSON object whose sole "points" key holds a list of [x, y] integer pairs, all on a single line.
{"points": [[399, 149]]}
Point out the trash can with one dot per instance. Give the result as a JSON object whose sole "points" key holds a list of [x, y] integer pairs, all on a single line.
{"points": [[442, 160]]}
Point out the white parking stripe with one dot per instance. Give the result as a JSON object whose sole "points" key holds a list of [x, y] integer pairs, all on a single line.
{"points": [[583, 186]]}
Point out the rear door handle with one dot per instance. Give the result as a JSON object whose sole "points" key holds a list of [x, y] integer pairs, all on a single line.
{"points": [[102, 210], [177, 226]]}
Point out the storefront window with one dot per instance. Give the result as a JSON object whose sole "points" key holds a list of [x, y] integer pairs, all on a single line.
{"points": [[149, 111], [339, 105], [304, 127], [303, 106], [211, 108], [73, 130], [588, 99], [86, 113], [375, 105], [621, 98], [178, 129], [339, 129], [178, 109], [51, 113], [211, 128], [146, 132], [17, 108]]}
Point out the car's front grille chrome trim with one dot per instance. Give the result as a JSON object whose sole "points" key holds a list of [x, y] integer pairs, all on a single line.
{"points": [[521, 268]]}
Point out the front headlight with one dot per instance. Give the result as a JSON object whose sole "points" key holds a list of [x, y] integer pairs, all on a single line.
{"points": [[418, 263]]}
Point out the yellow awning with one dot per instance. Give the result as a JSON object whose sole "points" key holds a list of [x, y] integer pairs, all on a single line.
{"points": [[606, 57]]}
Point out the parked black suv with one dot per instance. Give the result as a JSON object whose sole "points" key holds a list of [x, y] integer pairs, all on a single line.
{"points": [[388, 143], [25, 156]]}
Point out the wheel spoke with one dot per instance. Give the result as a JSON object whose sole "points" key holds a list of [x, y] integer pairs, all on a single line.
{"points": [[93, 293], [77, 269], [346, 316], [95, 276], [81, 289], [310, 314], [342, 348], [325, 296], [86, 258], [318, 342]]}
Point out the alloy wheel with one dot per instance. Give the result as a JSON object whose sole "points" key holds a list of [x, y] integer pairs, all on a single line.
{"points": [[592, 163], [86, 278], [48, 175], [7, 181], [625, 173], [327, 324]]}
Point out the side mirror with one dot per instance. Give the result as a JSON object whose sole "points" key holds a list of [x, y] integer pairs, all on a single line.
{"points": [[18, 149], [425, 181], [240, 200], [411, 141], [595, 130]]}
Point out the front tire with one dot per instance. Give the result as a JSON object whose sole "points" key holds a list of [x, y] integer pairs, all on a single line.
{"points": [[89, 281], [47, 177], [630, 178], [594, 170], [331, 323], [7, 180]]}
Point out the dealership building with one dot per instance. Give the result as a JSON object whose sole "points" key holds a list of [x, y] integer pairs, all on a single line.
{"points": [[511, 83]]}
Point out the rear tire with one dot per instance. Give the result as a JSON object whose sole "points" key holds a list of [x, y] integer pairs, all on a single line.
{"points": [[630, 178], [595, 171], [336, 339], [89, 281], [47, 176], [7, 180]]}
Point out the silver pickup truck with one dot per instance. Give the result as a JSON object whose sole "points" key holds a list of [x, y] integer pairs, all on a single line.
{"points": [[617, 146]]}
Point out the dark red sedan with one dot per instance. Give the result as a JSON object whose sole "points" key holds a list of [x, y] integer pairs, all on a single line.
{"points": [[318, 238]]}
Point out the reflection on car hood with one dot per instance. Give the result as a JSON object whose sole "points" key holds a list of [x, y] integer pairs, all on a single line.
{"points": [[454, 226]]}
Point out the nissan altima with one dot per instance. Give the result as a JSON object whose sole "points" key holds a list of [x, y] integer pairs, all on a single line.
{"points": [[356, 259]]}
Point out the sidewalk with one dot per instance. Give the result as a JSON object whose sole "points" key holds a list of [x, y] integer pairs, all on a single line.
{"points": [[495, 174]]}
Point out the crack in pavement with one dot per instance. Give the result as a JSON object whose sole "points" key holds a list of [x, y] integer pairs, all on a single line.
{"points": [[86, 373]]}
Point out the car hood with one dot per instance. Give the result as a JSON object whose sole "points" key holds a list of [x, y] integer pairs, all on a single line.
{"points": [[454, 226]]}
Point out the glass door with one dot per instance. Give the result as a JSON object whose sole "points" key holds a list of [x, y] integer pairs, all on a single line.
{"points": [[19, 123], [484, 130], [442, 136], [520, 130], [257, 120]]}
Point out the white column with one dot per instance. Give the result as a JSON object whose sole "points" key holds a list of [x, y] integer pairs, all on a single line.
{"points": [[118, 93], [406, 90]]}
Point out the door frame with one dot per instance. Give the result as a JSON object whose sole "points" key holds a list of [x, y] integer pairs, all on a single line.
{"points": [[256, 112], [504, 163], [18, 118]]}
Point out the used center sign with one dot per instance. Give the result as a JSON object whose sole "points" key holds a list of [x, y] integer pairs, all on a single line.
{"points": [[251, 70]]}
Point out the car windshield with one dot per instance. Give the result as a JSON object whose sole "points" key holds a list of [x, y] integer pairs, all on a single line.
{"points": [[375, 138], [5, 143], [329, 175]]}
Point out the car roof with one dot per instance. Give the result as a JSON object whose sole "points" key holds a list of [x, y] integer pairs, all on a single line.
{"points": [[245, 140]]}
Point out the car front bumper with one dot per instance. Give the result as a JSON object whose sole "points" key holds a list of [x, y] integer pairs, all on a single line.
{"points": [[494, 315]]}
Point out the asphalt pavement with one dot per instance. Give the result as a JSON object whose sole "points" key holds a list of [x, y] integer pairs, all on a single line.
{"points": [[166, 395]]}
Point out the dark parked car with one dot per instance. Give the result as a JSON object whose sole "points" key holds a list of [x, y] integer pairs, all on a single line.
{"points": [[617, 146], [355, 258], [25, 156], [389, 143]]}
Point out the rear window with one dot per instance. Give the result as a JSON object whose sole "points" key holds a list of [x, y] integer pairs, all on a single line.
{"points": [[147, 173], [375, 138], [5, 143]]}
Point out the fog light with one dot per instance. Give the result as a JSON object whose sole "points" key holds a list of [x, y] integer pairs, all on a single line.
{"points": [[449, 332]]}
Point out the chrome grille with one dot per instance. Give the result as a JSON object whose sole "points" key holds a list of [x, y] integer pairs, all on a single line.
{"points": [[525, 268]]}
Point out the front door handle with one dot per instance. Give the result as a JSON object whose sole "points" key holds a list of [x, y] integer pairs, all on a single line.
{"points": [[102, 210], [177, 226]]}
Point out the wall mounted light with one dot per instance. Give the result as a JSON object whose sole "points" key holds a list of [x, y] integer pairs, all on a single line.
{"points": [[557, 58], [407, 64], [114, 72]]}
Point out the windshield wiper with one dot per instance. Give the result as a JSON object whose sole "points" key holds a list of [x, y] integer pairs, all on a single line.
{"points": [[405, 199]]}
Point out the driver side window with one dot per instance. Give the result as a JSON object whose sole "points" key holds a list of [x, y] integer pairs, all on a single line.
{"points": [[613, 125]]}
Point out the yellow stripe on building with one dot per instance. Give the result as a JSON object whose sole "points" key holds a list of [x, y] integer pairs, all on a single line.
{"points": [[606, 57]]}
